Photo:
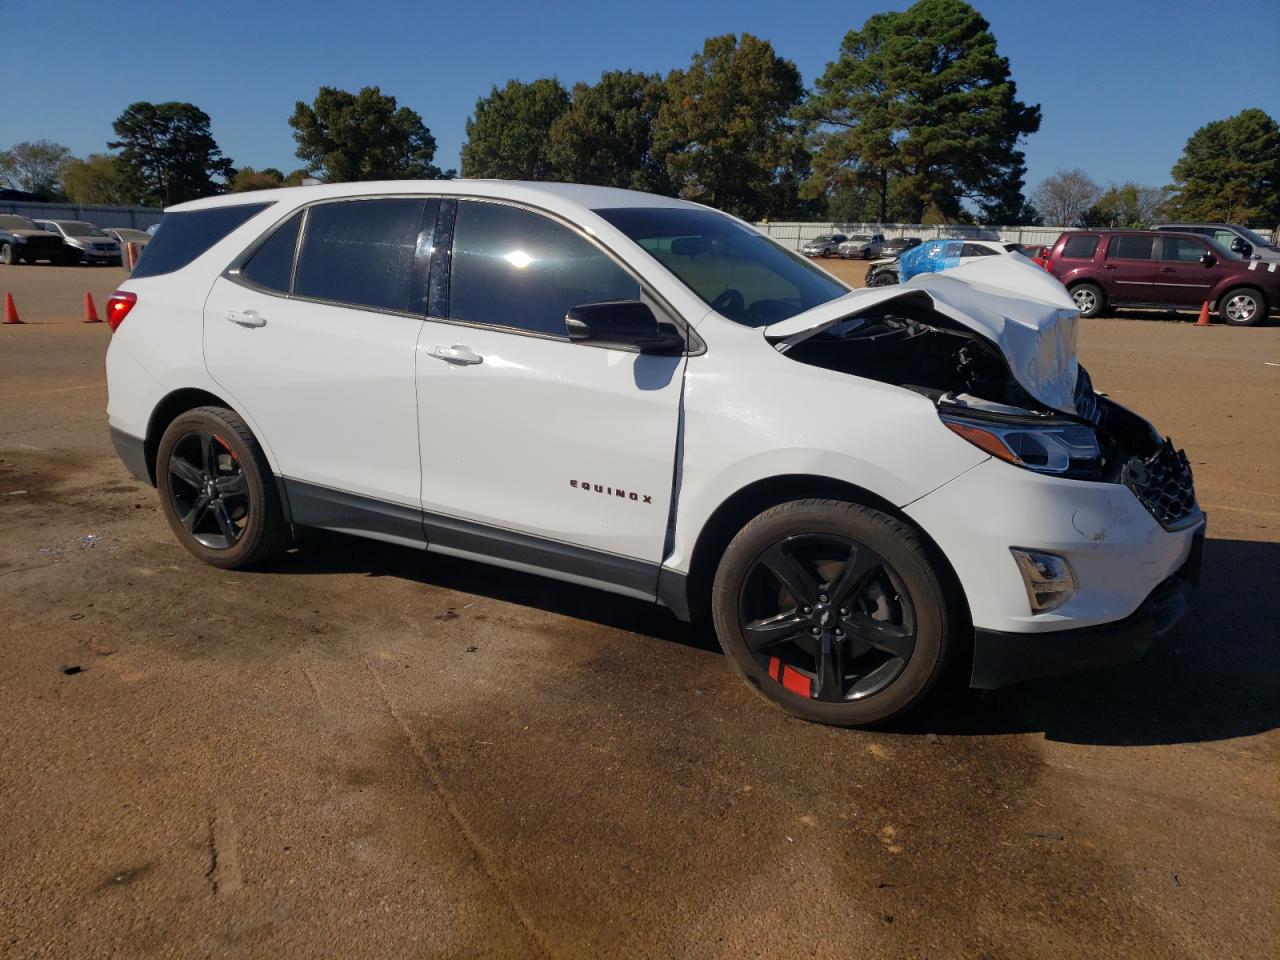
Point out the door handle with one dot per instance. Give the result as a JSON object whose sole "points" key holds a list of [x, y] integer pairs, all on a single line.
{"points": [[1109, 266], [1166, 270], [246, 318], [458, 353]]}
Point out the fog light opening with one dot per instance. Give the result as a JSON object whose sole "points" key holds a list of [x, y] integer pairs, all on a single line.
{"points": [[1049, 579]]}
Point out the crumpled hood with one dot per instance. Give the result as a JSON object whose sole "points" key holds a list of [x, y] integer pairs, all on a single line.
{"points": [[1008, 300]]}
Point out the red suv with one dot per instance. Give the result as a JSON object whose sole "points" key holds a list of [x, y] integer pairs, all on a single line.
{"points": [[1149, 268]]}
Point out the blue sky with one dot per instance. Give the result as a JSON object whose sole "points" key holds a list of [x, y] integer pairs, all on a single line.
{"points": [[1122, 84]]}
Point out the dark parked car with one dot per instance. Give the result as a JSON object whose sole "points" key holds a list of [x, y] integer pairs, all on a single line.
{"points": [[899, 245], [1234, 237], [1158, 268], [21, 241]]}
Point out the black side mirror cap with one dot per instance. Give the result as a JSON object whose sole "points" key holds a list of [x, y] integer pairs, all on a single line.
{"points": [[622, 323], [1208, 259]]}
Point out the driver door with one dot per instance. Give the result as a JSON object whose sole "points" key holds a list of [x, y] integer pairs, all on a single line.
{"points": [[543, 452]]}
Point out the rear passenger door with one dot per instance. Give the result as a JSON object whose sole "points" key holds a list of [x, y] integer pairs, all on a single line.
{"points": [[1129, 271], [545, 453], [1180, 276], [318, 350]]}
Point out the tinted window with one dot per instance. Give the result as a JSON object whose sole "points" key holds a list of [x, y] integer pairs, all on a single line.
{"points": [[1080, 247], [1130, 248], [184, 236], [742, 273], [363, 252], [1179, 248], [976, 250], [514, 268], [272, 265]]}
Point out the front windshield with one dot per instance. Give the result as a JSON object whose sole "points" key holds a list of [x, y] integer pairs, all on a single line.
{"points": [[860, 238], [74, 229], [732, 268]]}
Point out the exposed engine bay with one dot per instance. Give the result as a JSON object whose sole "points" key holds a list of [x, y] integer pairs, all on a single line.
{"points": [[908, 343]]}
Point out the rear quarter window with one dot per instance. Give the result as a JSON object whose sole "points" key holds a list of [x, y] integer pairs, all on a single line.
{"points": [[185, 235], [1081, 247]]}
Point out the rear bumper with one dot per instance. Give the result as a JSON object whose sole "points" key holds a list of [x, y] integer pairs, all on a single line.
{"points": [[133, 454], [1001, 658]]}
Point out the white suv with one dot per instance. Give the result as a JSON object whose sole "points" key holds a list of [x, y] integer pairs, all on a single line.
{"points": [[651, 397]]}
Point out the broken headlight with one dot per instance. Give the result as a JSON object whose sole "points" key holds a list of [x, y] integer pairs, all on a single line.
{"points": [[1062, 448]]}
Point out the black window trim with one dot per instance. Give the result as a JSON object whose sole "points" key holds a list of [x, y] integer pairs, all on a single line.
{"points": [[694, 344]]}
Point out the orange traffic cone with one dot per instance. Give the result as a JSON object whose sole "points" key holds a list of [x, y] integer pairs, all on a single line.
{"points": [[10, 311], [90, 311], [1203, 320]]}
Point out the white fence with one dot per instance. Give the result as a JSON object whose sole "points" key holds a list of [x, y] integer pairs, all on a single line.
{"points": [[100, 215], [793, 234]]}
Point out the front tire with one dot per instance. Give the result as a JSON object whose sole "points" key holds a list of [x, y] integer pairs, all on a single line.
{"points": [[1089, 299], [833, 611], [1243, 307], [9, 255], [217, 491]]}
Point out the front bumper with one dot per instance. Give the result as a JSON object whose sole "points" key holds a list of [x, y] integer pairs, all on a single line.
{"points": [[1001, 658]]}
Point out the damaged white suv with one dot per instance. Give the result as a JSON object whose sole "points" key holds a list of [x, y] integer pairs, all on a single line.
{"points": [[650, 397]]}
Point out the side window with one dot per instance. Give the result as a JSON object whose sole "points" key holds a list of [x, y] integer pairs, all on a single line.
{"points": [[1182, 249], [1224, 237], [515, 268], [1130, 248], [976, 250], [184, 236], [1080, 247], [364, 253], [271, 266]]}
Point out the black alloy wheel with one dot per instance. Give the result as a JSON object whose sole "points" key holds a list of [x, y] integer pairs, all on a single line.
{"points": [[217, 490], [826, 617], [834, 611], [207, 490]]}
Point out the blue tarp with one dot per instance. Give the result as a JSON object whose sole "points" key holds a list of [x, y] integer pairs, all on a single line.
{"points": [[932, 256]]}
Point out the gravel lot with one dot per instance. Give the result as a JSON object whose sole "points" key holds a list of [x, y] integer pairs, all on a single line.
{"points": [[364, 751]]}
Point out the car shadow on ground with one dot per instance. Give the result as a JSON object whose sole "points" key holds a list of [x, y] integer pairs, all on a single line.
{"points": [[1214, 677]]}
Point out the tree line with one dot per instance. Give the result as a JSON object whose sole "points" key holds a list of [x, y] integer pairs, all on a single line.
{"points": [[916, 120]]}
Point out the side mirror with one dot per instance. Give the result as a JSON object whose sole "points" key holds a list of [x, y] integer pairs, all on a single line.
{"points": [[1241, 246], [622, 323], [1208, 259]]}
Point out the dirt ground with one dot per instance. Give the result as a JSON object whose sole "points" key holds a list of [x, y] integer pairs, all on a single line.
{"points": [[364, 751]]}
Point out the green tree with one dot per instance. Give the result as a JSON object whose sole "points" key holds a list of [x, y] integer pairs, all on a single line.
{"points": [[34, 167], [1127, 205], [921, 103], [605, 136], [347, 137], [169, 152], [99, 178], [1230, 171], [247, 179], [725, 128], [507, 138]]}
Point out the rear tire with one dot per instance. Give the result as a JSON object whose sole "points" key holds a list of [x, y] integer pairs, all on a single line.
{"points": [[871, 640], [217, 491], [1089, 298], [9, 255], [1243, 307]]}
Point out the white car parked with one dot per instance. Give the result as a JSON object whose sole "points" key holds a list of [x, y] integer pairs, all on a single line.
{"points": [[650, 397]]}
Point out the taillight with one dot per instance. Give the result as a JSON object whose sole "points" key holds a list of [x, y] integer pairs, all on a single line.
{"points": [[118, 306]]}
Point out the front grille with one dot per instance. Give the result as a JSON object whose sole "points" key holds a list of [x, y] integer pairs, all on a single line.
{"points": [[1086, 400], [1163, 483]]}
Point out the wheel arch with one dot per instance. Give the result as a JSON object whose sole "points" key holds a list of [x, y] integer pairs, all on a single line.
{"points": [[170, 407], [737, 510], [1231, 286]]}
